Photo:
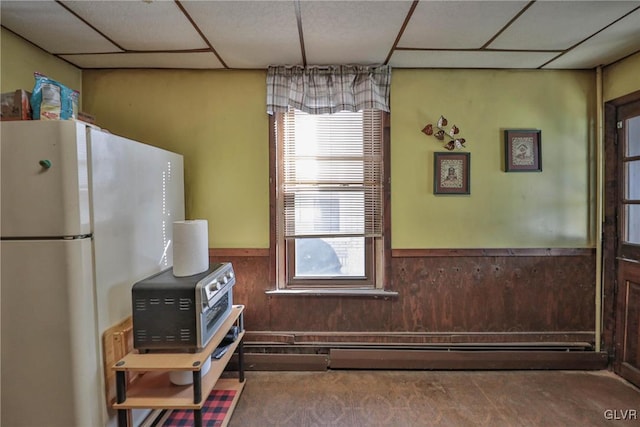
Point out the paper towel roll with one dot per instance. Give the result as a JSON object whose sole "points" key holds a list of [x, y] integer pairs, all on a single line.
{"points": [[186, 377], [190, 247]]}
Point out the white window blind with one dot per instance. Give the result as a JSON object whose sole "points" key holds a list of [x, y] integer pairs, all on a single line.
{"points": [[331, 176]]}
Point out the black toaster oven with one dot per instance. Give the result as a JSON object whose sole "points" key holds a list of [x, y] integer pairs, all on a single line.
{"points": [[181, 313]]}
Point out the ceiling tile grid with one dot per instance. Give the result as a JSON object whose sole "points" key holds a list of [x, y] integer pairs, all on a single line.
{"points": [[192, 60], [52, 28], [253, 34], [558, 25], [140, 25], [352, 31], [607, 46], [469, 59], [249, 34], [445, 25]]}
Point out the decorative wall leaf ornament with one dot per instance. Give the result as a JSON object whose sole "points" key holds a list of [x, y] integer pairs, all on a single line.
{"points": [[455, 142]]}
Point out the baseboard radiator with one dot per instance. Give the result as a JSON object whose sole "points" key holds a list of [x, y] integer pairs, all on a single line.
{"points": [[467, 356]]}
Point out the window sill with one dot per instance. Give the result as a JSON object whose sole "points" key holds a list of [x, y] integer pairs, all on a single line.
{"points": [[370, 293]]}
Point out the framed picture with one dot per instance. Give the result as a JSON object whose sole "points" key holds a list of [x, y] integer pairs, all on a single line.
{"points": [[451, 173], [522, 150]]}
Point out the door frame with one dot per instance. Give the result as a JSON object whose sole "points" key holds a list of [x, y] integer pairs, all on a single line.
{"points": [[612, 311]]}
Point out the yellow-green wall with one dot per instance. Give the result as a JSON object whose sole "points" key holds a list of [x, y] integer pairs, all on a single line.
{"points": [[20, 59], [621, 78], [551, 208], [217, 121]]}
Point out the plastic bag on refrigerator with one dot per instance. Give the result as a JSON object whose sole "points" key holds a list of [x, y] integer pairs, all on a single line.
{"points": [[51, 100]]}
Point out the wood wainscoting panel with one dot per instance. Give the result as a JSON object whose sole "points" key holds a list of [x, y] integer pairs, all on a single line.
{"points": [[330, 313], [252, 280], [489, 296], [494, 294]]}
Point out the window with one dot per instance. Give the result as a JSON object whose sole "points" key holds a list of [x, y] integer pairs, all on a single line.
{"points": [[329, 192], [631, 182]]}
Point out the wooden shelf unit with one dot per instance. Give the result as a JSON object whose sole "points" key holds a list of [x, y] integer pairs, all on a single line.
{"points": [[153, 389]]}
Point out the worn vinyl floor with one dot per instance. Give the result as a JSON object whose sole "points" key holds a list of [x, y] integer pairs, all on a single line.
{"points": [[436, 398]]}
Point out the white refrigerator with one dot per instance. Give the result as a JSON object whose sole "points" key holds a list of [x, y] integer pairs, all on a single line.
{"points": [[84, 215]]}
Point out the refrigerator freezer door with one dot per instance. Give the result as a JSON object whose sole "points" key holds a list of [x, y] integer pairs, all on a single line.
{"points": [[44, 181], [49, 368]]}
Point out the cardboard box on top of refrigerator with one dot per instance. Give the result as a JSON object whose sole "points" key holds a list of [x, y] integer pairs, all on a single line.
{"points": [[15, 105], [86, 117]]}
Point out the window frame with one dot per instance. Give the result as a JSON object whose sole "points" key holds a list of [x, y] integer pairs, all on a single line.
{"points": [[367, 282], [281, 271]]}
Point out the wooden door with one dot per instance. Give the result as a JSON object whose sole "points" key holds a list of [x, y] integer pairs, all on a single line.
{"points": [[627, 285]]}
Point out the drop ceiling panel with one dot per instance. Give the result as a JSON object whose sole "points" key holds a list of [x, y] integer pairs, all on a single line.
{"points": [[51, 27], [257, 33], [617, 41], [560, 24], [449, 24], [140, 25], [197, 60], [249, 34], [345, 32], [468, 59]]}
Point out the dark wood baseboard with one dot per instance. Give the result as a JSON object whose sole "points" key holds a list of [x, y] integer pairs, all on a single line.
{"points": [[281, 362], [461, 360], [631, 373], [426, 360]]}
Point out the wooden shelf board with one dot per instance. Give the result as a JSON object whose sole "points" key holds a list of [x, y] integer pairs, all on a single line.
{"points": [[155, 390], [178, 361]]}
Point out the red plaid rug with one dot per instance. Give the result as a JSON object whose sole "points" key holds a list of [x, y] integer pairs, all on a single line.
{"points": [[213, 411]]}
